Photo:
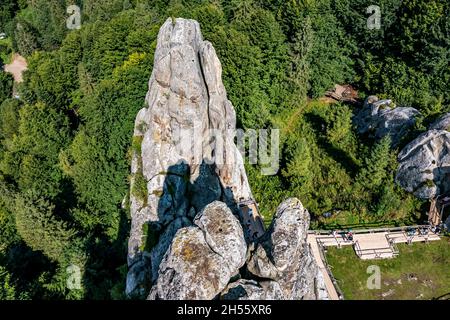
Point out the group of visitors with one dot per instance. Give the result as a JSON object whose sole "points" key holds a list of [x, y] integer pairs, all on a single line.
{"points": [[347, 235]]}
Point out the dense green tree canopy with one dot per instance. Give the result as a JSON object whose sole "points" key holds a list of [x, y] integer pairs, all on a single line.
{"points": [[65, 144]]}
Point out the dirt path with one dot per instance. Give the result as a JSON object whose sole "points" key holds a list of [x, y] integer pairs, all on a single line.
{"points": [[293, 118], [16, 67]]}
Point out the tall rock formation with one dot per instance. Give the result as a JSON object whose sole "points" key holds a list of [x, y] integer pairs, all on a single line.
{"points": [[283, 255], [186, 239], [173, 136]]}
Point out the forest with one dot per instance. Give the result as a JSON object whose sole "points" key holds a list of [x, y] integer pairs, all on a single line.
{"points": [[65, 143]]}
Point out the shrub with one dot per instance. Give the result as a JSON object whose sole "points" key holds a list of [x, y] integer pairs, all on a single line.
{"points": [[139, 188]]}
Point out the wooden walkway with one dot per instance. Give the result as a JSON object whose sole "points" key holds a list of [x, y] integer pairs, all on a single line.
{"points": [[434, 217], [251, 218], [372, 244]]}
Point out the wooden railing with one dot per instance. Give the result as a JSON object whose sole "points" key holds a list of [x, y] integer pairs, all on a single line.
{"points": [[377, 252], [362, 231], [357, 248]]}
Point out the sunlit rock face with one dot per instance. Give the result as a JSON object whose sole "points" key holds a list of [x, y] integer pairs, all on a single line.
{"points": [[424, 165], [186, 239]]}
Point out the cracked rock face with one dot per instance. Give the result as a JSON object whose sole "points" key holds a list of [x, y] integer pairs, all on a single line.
{"points": [[186, 240], [424, 165], [284, 256], [380, 118], [202, 259]]}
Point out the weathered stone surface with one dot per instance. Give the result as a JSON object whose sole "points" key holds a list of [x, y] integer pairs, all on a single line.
{"points": [[164, 243], [190, 269], [202, 259], [321, 289], [186, 99], [191, 199], [309, 283], [443, 123], [283, 254], [379, 118], [223, 233], [424, 165]]}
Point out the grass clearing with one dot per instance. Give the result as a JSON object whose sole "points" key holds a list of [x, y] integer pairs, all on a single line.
{"points": [[421, 271]]}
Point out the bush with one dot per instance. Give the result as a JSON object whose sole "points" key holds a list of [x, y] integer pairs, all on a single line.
{"points": [[6, 85], [7, 289], [139, 188]]}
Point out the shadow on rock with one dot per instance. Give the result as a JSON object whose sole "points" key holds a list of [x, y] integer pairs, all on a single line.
{"points": [[180, 202]]}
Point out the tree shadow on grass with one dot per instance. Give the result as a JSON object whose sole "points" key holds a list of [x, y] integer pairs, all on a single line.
{"points": [[319, 126]]}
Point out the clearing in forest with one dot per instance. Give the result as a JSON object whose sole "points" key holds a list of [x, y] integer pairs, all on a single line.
{"points": [[419, 272]]}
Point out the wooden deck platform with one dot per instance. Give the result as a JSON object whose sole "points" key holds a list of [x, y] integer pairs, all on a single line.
{"points": [[374, 244]]}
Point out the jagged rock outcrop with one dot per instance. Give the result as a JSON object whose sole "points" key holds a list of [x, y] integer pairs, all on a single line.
{"points": [[186, 99], [443, 123], [283, 254], [186, 239], [202, 259], [379, 118], [424, 165]]}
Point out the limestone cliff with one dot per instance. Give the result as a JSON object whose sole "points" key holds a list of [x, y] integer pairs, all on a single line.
{"points": [[187, 240], [424, 164], [380, 118]]}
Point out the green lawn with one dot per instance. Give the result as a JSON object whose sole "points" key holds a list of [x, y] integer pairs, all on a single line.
{"points": [[421, 271]]}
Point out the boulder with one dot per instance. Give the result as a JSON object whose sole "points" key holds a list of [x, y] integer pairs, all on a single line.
{"points": [[223, 233], [283, 255], [443, 123], [379, 118], [202, 259], [424, 165]]}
